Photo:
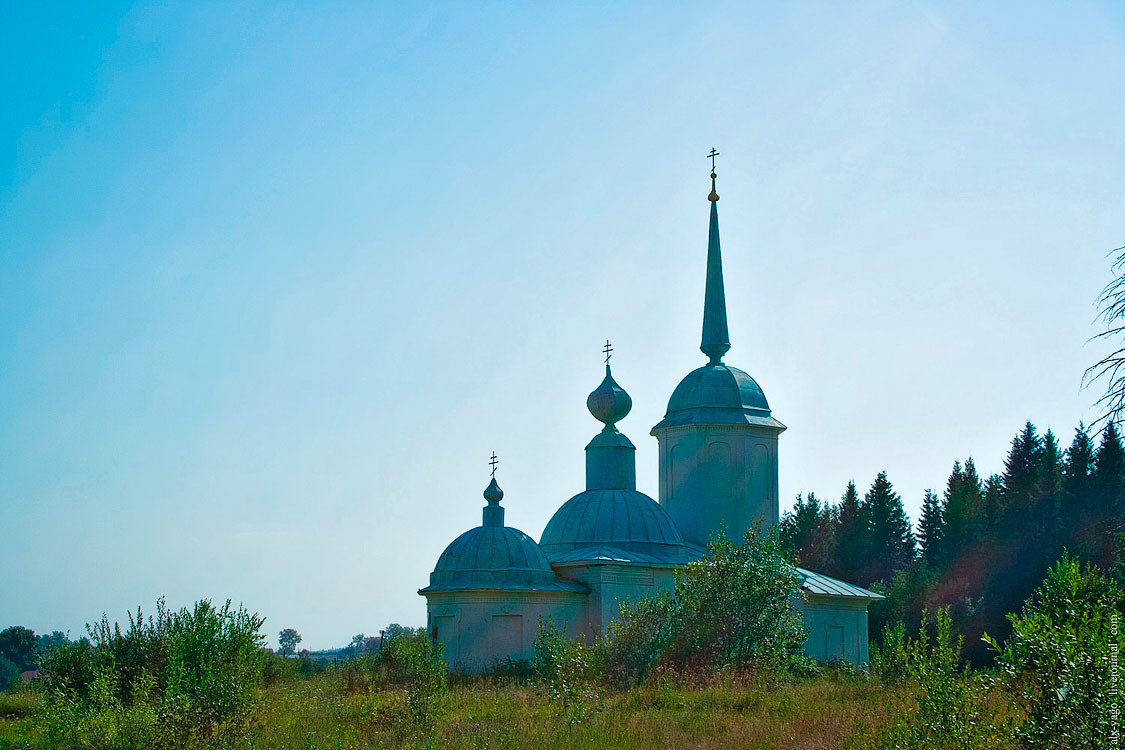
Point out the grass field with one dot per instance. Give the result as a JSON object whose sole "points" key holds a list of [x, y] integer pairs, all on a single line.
{"points": [[831, 710]]}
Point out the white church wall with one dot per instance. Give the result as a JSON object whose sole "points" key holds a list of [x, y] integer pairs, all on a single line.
{"points": [[478, 628], [613, 583], [718, 477], [837, 628]]}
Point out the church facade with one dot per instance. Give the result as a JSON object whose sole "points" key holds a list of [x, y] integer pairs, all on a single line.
{"points": [[717, 445]]}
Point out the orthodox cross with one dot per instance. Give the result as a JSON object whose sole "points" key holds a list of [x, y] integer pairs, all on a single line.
{"points": [[607, 349], [712, 155], [492, 462]]}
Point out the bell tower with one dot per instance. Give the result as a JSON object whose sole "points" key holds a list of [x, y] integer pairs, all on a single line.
{"points": [[718, 439]]}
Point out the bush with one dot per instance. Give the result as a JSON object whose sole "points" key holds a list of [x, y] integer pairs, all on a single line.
{"points": [[179, 679], [950, 709], [1060, 660], [733, 608], [10, 675], [567, 672], [409, 661], [889, 657]]}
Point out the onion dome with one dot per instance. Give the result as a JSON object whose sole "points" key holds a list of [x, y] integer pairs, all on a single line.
{"points": [[493, 556], [611, 520], [609, 403]]}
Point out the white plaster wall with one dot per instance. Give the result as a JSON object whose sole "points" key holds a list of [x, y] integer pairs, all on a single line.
{"points": [[718, 477], [837, 628], [479, 628], [613, 583]]}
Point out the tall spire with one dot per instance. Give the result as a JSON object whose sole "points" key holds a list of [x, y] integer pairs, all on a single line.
{"points": [[716, 340]]}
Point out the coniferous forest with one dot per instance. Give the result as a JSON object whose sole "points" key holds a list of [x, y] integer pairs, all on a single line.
{"points": [[982, 543]]}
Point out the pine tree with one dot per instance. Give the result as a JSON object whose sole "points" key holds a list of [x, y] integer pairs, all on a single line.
{"points": [[891, 544], [1107, 480], [1077, 485], [851, 537], [1021, 470], [808, 533], [797, 526], [962, 507], [1109, 469], [931, 530], [1047, 502], [993, 504]]}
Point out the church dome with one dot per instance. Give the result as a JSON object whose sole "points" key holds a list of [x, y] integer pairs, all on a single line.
{"points": [[492, 557], [717, 394], [718, 386], [619, 524]]}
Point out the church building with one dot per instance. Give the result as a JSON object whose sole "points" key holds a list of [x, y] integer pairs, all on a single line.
{"points": [[717, 443]]}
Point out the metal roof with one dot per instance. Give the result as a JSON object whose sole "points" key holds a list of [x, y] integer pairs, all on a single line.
{"points": [[629, 523], [818, 583]]}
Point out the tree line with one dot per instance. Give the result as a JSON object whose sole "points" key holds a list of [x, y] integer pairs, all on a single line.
{"points": [[982, 545]]}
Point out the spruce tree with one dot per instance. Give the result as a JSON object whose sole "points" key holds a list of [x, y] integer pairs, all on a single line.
{"points": [[1021, 472], [962, 507], [891, 540], [993, 505], [1048, 499], [851, 537], [1107, 479], [797, 526], [931, 530], [1077, 486]]}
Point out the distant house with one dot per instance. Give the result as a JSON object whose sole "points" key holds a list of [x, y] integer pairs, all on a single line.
{"points": [[29, 676]]}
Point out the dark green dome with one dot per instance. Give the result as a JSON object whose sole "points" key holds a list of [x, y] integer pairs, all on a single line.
{"points": [[619, 523], [492, 557], [718, 394]]}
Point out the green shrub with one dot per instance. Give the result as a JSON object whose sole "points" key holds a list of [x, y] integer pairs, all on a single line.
{"points": [[180, 678], [889, 658], [9, 674], [567, 672], [950, 708], [733, 608], [427, 686], [633, 644], [1060, 661], [411, 662]]}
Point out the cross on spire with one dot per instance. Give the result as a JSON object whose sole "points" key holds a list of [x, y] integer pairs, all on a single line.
{"points": [[712, 156], [492, 462], [607, 349]]}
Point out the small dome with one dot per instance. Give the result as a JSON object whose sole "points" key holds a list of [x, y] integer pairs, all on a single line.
{"points": [[609, 403], [492, 493], [492, 557], [623, 520]]}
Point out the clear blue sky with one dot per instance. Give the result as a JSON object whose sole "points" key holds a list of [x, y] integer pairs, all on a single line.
{"points": [[275, 280]]}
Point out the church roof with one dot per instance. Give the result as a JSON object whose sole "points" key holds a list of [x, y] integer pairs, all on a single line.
{"points": [[820, 584], [718, 394], [618, 524], [494, 556]]}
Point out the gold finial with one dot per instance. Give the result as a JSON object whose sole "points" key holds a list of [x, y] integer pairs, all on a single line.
{"points": [[714, 196]]}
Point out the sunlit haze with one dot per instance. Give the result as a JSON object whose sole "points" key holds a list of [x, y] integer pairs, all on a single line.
{"points": [[276, 281]]}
